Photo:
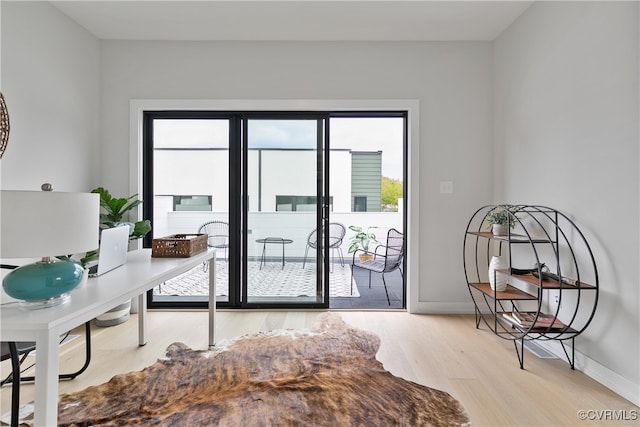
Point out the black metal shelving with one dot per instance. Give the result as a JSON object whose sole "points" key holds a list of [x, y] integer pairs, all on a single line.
{"points": [[542, 241]]}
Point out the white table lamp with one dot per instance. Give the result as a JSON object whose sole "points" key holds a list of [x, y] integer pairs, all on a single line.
{"points": [[46, 224]]}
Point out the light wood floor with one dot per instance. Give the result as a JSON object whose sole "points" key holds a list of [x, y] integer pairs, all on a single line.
{"points": [[440, 351]]}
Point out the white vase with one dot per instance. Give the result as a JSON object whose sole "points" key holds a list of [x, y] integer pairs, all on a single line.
{"points": [[497, 281]]}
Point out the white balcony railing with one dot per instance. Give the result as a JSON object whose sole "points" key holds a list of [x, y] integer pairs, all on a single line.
{"points": [[290, 225]]}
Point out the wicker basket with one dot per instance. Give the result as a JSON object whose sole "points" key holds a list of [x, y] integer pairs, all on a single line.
{"points": [[179, 245]]}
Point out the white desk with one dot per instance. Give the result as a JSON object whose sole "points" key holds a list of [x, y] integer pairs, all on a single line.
{"points": [[140, 274]]}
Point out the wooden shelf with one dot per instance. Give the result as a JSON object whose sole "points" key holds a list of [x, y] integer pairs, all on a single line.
{"points": [[512, 238], [546, 284], [510, 293], [563, 329]]}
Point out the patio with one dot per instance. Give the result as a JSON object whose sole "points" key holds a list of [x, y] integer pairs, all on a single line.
{"points": [[374, 298], [293, 281]]}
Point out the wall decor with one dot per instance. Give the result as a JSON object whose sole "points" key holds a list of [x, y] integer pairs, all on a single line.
{"points": [[4, 125]]}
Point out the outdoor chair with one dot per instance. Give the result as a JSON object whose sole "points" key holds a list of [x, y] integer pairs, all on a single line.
{"points": [[385, 258], [218, 232], [336, 234]]}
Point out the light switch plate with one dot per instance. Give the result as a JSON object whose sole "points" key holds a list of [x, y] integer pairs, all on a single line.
{"points": [[446, 187]]}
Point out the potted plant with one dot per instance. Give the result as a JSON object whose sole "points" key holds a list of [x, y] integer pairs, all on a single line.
{"points": [[361, 240], [113, 211], [112, 214], [501, 217]]}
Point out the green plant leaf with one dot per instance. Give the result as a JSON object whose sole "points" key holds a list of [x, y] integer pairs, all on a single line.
{"points": [[503, 215], [88, 257], [141, 228], [361, 238]]}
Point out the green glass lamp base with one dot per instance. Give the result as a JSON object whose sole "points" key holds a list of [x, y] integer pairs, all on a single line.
{"points": [[43, 284]]}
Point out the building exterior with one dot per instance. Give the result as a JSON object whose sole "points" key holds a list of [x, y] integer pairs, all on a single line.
{"points": [[197, 180]]}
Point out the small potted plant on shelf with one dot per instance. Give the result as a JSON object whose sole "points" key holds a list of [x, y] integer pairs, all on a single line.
{"points": [[501, 217], [361, 240]]}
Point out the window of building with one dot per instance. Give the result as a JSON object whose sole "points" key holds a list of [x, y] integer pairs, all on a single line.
{"points": [[299, 203], [359, 203], [192, 203]]}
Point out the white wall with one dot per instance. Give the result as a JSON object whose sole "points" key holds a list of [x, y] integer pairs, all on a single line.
{"points": [[566, 127], [50, 80], [451, 81], [284, 173], [204, 173]]}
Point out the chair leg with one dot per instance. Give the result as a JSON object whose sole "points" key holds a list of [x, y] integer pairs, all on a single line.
{"points": [[340, 255], [87, 355], [333, 258], [306, 251], [87, 359], [385, 289], [369, 279], [264, 247], [15, 384]]}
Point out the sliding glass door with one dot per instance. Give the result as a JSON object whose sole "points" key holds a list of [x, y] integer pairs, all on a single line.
{"points": [[279, 195], [255, 183], [284, 187], [186, 191]]}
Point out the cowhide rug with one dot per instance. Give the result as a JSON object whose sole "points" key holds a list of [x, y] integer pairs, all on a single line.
{"points": [[327, 376]]}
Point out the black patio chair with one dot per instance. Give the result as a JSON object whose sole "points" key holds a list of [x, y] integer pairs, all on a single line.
{"points": [[385, 258], [336, 234]]}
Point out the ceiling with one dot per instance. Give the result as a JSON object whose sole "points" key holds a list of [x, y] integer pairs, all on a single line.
{"points": [[301, 20]]}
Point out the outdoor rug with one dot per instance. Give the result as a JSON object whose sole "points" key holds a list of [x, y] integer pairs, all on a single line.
{"points": [[271, 280], [326, 376]]}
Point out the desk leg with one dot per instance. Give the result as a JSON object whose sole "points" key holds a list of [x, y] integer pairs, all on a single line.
{"points": [[212, 301], [142, 319], [47, 366]]}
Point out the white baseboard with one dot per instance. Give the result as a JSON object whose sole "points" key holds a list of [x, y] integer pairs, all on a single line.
{"points": [[600, 373]]}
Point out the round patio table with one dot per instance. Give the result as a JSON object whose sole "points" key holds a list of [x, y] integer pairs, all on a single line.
{"points": [[272, 240]]}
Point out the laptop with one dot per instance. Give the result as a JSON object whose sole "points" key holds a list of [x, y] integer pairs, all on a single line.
{"points": [[114, 244]]}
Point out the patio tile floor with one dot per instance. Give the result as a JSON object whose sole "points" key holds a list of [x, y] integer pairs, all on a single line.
{"points": [[374, 298], [371, 298]]}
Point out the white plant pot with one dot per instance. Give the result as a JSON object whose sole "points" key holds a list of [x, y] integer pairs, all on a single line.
{"points": [[115, 316], [499, 230], [497, 280]]}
